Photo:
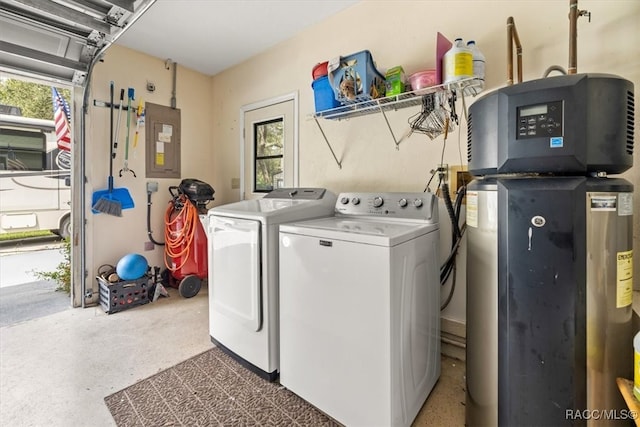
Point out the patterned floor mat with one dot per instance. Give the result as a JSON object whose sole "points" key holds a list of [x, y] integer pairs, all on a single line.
{"points": [[207, 390]]}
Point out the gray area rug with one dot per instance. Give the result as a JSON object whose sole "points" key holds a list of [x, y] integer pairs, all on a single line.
{"points": [[211, 389]]}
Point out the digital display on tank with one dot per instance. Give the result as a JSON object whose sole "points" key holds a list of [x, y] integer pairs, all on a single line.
{"points": [[539, 120], [531, 111]]}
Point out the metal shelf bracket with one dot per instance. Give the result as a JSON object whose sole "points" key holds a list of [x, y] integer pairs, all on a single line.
{"points": [[395, 141], [338, 162]]}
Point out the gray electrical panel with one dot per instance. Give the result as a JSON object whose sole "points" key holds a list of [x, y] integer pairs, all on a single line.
{"points": [[162, 131]]}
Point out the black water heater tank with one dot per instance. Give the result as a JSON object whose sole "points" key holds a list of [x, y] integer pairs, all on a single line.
{"points": [[571, 124]]}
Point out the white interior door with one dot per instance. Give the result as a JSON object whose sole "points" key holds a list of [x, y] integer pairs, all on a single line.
{"points": [[261, 169]]}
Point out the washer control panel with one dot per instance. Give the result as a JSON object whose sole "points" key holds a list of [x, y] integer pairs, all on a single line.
{"points": [[422, 206]]}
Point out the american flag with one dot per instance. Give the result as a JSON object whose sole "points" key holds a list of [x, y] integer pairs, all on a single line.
{"points": [[61, 118]]}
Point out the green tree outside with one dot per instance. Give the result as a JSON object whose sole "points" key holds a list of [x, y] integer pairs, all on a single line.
{"points": [[32, 98], [269, 154]]}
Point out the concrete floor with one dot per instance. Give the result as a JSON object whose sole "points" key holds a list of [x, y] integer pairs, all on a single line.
{"points": [[56, 370]]}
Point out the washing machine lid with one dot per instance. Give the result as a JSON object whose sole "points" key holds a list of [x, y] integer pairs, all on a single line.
{"points": [[275, 210], [361, 230], [306, 193], [262, 206]]}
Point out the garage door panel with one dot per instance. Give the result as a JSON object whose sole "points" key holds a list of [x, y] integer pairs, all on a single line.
{"points": [[61, 39]]}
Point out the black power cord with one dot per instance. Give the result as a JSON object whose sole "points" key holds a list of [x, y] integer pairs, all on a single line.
{"points": [[448, 267], [149, 232]]}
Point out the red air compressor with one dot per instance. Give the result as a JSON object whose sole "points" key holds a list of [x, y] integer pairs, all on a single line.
{"points": [[185, 250]]}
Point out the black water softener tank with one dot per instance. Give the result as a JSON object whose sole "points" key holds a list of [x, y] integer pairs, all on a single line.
{"points": [[549, 267]]}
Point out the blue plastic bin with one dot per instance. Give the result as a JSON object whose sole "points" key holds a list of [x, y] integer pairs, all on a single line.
{"points": [[355, 78], [323, 94]]}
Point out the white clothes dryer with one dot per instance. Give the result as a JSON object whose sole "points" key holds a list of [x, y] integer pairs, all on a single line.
{"points": [[360, 308], [243, 272]]}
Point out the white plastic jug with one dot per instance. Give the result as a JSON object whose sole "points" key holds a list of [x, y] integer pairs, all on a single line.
{"points": [[457, 63]]}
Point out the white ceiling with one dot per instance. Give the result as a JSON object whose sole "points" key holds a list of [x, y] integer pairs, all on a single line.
{"points": [[210, 36]]}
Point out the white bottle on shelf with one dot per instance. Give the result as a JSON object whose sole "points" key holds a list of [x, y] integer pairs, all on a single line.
{"points": [[478, 66], [457, 63]]}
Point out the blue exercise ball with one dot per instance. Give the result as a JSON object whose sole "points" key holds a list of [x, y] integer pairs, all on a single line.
{"points": [[132, 267]]}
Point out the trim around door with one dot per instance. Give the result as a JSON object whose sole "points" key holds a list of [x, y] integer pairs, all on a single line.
{"points": [[293, 96]]}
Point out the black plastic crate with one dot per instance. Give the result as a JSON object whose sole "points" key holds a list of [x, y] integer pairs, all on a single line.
{"points": [[119, 296]]}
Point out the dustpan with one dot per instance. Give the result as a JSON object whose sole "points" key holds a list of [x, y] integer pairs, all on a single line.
{"points": [[104, 201]]}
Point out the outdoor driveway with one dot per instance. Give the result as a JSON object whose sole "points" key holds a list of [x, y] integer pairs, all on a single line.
{"points": [[24, 296]]}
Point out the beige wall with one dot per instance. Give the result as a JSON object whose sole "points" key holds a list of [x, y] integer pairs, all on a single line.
{"points": [[397, 33], [110, 237], [404, 33]]}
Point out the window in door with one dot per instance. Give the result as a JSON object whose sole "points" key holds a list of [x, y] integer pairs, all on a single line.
{"points": [[263, 124], [269, 155]]}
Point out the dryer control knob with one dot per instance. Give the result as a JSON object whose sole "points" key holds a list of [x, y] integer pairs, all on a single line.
{"points": [[344, 200], [402, 202], [417, 203], [355, 200], [378, 201]]}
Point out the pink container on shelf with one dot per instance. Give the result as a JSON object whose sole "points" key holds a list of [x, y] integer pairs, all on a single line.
{"points": [[423, 79]]}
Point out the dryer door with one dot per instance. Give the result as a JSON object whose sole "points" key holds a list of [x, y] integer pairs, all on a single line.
{"points": [[235, 291]]}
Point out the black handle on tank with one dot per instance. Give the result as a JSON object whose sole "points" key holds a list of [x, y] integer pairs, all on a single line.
{"points": [[175, 192]]}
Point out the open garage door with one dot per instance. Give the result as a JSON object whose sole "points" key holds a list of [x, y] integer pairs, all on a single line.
{"points": [[61, 39]]}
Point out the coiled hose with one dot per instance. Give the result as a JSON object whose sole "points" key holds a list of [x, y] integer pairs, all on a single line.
{"points": [[178, 242]]}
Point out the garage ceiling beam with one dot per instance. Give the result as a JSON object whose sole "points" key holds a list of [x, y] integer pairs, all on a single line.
{"points": [[125, 4], [67, 14], [62, 39], [100, 9], [40, 56], [10, 12]]}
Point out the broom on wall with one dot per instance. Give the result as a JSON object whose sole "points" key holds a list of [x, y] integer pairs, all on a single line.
{"points": [[112, 200]]}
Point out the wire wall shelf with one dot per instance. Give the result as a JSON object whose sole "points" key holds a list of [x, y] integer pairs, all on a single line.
{"points": [[390, 103]]}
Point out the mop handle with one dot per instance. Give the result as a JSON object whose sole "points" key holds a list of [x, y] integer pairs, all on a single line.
{"points": [[125, 168], [111, 89], [126, 146], [115, 142]]}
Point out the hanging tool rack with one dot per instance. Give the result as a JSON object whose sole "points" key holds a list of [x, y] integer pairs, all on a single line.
{"points": [[107, 104]]}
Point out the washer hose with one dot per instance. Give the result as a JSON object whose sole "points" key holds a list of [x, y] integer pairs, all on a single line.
{"points": [[452, 216], [448, 268]]}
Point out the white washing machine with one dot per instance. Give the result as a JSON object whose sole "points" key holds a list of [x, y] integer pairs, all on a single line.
{"points": [[360, 308], [243, 271]]}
